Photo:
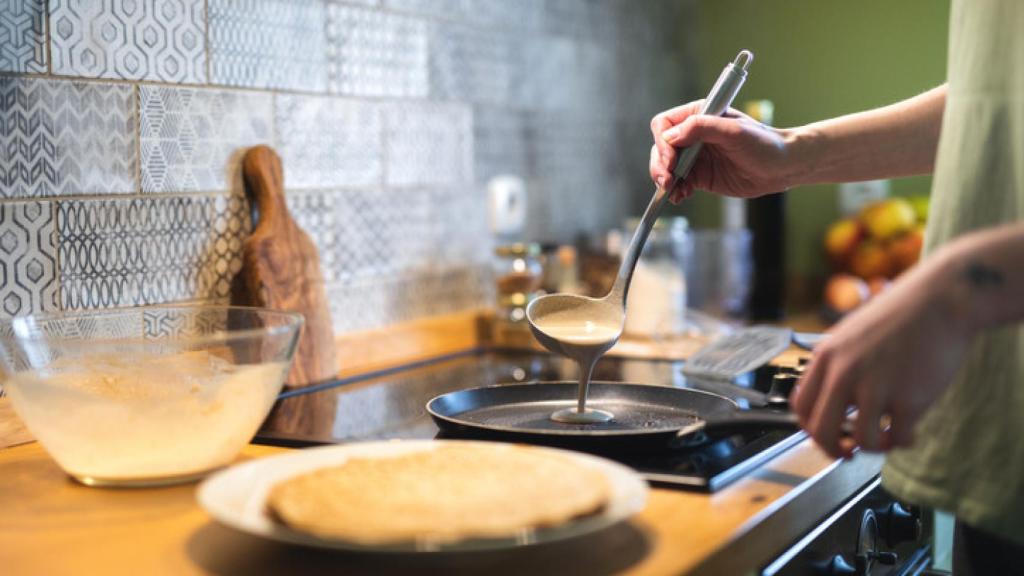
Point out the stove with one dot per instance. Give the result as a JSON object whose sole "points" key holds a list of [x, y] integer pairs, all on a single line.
{"points": [[390, 404]]}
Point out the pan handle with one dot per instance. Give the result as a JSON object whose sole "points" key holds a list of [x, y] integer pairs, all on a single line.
{"points": [[742, 421]]}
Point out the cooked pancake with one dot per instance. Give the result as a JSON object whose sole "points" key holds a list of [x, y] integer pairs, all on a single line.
{"points": [[455, 492]]}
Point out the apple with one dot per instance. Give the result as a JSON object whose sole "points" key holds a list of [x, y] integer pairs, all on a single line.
{"points": [[844, 292], [842, 238], [906, 249], [871, 259], [888, 218]]}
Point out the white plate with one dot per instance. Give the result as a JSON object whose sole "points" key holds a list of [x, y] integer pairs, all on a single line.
{"points": [[237, 497]]}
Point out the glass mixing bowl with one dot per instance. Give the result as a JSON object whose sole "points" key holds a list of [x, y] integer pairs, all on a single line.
{"points": [[150, 395]]}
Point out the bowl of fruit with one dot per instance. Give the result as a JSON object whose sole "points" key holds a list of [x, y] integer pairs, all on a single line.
{"points": [[868, 250]]}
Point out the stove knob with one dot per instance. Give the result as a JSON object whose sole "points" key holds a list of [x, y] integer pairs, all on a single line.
{"points": [[867, 559], [835, 566], [896, 524], [782, 385]]}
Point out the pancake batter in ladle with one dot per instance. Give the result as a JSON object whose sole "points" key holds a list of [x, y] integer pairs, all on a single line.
{"points": [[585, 328]]}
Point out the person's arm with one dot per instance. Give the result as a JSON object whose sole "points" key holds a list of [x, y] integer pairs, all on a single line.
{"points": [[742, 157], [889, 142], [896, 355]]}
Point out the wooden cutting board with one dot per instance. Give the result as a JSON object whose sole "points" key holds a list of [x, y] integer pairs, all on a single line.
{"points": [[281, 269]]}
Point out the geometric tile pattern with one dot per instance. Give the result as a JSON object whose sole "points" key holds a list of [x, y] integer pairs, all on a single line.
{"points": [[268, 44], [499, 143], [504, 15], [584, 19], [384, 265], [59, 138], [23, 36], [149, 251], [328, 142], [172, 322], [461, 233], [28, 258], [378, 301], [373, 53], [192, 139], [132, 40], [573, 163], [437, 96], [429, 143], [360, 236], [471, 65]]}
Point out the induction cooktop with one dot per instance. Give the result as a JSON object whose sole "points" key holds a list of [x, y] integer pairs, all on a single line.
{"points": [[390, 404]]}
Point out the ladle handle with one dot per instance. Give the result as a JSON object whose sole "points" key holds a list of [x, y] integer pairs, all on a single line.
{"points": [[717, 102]]}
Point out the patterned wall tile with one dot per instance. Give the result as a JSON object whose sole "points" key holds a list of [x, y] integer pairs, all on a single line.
{"points": [[328, 142], [574, 188], [429, 143], [469, 64], [375, 53], [557, 73], [499, 143], [268, 44], [162, 322], [462, 236], [360, 233], [585, 18], [60, 138], [28, 258], [23, 36], [136, 40], [378, 301], [149, 251], [191, 140], [503, 14]]}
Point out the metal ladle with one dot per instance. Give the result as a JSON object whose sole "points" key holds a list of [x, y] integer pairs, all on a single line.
{"points": [[611, 309]]}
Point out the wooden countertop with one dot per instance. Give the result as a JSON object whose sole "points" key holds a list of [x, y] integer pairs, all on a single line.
{"points": [[51, 525]]}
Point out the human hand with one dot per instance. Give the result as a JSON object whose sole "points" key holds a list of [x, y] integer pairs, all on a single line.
{"points": [[891, 359], [740, 156]]}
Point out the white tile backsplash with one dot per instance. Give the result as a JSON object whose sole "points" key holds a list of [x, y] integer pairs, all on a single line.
{"points": [[122, 122]]}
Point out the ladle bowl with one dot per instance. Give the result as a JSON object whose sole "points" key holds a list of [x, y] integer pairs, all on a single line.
{"points": [[563, 307]]}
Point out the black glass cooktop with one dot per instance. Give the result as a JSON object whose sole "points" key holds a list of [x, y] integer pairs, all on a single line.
{"points": [[391, 404]]}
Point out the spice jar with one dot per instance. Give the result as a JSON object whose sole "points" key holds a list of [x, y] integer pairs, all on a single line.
{"points": [[517, 270], [518, 274]]}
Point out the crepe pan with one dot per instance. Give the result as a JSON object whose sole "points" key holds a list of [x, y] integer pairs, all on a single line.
{"points": [[646, 417]]}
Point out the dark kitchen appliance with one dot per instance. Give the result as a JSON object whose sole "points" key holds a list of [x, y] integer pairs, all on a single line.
{"points": [[871, 534], [392, 404]]}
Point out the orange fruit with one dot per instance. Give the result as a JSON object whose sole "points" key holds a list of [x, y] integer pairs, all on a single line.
{"points": [[871, 259], [844, 292], [906, 249]]}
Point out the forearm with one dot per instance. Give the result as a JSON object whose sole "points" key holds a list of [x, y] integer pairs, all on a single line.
{"points": [[889, 142], [981, 276]]}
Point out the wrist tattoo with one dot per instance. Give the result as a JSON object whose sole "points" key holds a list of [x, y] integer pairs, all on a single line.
{"points": [[983, 276]]}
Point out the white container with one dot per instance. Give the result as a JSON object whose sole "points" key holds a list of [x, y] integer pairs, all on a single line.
{"points": [[656, 304]]}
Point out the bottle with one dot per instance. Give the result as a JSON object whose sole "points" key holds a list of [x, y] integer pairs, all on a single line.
{"points": [[766, 219]]}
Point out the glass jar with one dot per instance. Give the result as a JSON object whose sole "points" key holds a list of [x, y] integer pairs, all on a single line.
{"points": [[656, 305], [517, 270]]}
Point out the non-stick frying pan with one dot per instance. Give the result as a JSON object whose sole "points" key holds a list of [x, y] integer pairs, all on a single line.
{"points": [[646, 417]]}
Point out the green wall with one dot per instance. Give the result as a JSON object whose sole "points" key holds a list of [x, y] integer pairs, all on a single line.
{"points": [[817, 59]]}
